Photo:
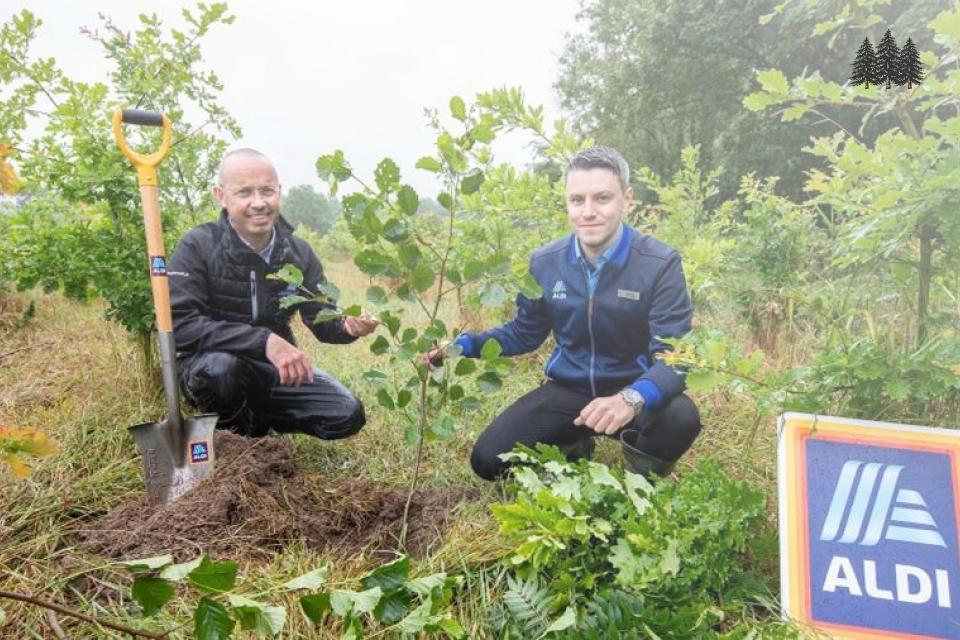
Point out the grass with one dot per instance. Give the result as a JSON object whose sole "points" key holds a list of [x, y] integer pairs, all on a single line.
{"points": [[81, 379]]}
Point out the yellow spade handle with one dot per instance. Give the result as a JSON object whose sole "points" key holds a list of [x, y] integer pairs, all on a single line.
{"points": [[146, 166]]}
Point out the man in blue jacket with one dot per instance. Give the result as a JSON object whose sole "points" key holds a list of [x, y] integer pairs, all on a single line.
{"points": [[610, 293]]}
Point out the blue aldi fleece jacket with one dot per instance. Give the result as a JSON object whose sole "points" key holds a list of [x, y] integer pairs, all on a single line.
{"points": [[606, 323]]}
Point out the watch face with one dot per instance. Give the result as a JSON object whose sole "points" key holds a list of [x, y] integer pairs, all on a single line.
{"points": [[632, 396]]}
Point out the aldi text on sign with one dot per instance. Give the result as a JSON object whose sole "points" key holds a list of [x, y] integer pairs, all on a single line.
{"points": [[869, 527]]}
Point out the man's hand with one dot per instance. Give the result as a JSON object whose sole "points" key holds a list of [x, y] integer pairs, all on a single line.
{"points": [[360, 325], [605, 415], [434, 357], [294, 367]]}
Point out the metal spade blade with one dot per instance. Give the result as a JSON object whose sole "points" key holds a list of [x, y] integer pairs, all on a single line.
{"points": [[171, 469]]}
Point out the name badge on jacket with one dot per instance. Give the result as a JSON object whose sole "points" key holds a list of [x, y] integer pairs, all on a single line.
{"points": [[629, 295]]}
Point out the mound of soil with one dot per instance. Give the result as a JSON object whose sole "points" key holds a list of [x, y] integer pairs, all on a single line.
{"points": [[258, 501]]}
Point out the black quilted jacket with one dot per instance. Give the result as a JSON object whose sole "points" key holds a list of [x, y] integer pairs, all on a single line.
{"points": [[222, 300]]}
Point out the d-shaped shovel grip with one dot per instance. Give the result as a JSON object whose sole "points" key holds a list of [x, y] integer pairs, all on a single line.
{"points": [[146, 165]]}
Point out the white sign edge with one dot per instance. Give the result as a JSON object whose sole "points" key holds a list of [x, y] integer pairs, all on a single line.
{"points": [[782, 516]]}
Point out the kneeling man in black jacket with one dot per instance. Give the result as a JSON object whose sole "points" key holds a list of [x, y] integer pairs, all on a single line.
{"points": [[236, 352]]}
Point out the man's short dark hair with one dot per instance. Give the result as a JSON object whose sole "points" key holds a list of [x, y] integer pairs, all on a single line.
{"points": [[601, 158]]}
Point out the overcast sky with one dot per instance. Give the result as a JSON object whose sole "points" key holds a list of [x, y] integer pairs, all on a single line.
{"points": [[305, 78]]}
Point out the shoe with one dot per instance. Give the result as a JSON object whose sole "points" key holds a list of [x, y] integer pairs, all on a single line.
{"points": [[245, 423], [582, 448], [639, 461]]}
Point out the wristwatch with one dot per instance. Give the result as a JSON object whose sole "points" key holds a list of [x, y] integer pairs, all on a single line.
{"points": [[633, 399]]}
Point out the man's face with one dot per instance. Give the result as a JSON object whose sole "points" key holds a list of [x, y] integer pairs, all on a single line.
{"points": [[595, 206], [251, 195]]}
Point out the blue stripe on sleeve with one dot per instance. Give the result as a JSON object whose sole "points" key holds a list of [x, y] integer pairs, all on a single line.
{"points": [[466, 344], [650, 392]]}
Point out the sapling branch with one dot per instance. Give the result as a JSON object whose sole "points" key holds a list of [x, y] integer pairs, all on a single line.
{"points": [[423, 306], [425, 380], [67, 611], [29, 74], [418, 456], [429, 246]]}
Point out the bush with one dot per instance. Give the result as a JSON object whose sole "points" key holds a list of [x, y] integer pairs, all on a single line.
{"points": [[586, 539]]}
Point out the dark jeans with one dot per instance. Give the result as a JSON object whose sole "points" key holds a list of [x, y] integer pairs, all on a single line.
{"points": [[546, 415], [250, 400]]}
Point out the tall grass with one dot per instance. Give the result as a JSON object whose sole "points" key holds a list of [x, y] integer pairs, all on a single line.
{"points": [[80, 378]]}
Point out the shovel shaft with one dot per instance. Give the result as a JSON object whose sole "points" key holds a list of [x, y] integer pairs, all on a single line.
{"points": [[160, 284], [157, 258], [168, 362]]}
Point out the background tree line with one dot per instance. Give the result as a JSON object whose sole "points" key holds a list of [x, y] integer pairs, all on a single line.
{"points": [[654, 77]]}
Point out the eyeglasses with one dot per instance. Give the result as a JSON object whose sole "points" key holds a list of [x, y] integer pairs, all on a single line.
{"points": [[266, 192]]}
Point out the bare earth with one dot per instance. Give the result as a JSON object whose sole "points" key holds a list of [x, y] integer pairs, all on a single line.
{"points": [[258, 501]]}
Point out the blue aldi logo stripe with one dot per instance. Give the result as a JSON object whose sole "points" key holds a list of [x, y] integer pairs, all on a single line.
{"points": [[872, 543]]}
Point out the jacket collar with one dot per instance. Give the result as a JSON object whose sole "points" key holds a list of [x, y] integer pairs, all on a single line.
{"points": [[620, 252], [240, 252]]}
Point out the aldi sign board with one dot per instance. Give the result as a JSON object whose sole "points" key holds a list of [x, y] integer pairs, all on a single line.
{"points": [[869, 524]]}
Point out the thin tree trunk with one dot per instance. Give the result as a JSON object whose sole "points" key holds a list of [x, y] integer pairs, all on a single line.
{"points": [[926, 275]]}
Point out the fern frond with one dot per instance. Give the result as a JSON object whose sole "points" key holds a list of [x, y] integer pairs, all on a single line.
{"points": [[528, 603]]}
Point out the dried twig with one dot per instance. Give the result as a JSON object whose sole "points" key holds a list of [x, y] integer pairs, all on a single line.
{"points": [[35, 345], [11, 595], [54, 622]]}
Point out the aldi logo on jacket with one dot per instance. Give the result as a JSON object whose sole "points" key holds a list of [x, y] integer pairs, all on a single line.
{"points": [[605, 339], [559, 291]]}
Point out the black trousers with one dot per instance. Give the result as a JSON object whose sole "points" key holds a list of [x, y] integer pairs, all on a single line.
{"points": [[250, 400], [546, 415]]}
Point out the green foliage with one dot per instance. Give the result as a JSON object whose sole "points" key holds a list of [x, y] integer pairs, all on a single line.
{"points": [[303, 206], [153, 588], [212, 621], [80, 226], [685, 220], [466, 250], [57, 245], [326, 295], [582, 534], [391, 600], [878, 378], [893, 197], [628, 80], [526, 610], [875, 377]]}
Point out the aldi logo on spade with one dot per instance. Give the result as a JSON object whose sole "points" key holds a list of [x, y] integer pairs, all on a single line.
{"points": [[873, 549]]}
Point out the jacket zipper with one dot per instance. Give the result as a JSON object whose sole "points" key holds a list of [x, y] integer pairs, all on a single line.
{"points": [[593, 344], [253, 293]]}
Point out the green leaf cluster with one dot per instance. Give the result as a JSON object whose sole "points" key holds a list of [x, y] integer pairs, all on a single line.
{"points": [[582, 532], [891, 195], [444, 387], [218, 611], [390, 600], [78, 223]]}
